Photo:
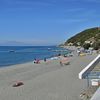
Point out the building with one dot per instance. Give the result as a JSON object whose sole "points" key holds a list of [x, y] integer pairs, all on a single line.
{"points": [[70, 44]]}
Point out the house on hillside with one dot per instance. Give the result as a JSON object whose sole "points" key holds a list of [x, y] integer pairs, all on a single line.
{"points": [[78, 43], [90, 41], [87, 42], [70, 44]]}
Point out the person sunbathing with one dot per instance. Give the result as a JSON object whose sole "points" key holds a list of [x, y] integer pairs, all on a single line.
{"points": [[37, 61], [18, 83], [64, 61]]}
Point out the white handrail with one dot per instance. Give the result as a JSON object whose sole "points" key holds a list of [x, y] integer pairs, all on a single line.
{"points": [[88, 67]]}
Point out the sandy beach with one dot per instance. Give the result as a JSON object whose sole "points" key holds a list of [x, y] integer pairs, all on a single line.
{"points": [[45, 81]]}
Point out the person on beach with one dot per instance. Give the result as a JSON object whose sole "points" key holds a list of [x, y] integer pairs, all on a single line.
{"points": [[78, 52], [34, 60], [45, 59], [61, 63], [59, 54], [37, 61], [64, 61]]}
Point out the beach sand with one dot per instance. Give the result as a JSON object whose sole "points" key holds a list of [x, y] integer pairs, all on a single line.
{"points": [[45, 81]]}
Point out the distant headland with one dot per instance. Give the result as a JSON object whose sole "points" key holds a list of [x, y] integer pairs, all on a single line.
{"points": [[87, 38]]}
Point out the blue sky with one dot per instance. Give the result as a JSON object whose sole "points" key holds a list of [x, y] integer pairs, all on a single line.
{"points": [[45, 22]]}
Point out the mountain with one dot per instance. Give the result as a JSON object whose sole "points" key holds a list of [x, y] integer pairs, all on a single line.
{"points": [[89, 36], [13, 43]]}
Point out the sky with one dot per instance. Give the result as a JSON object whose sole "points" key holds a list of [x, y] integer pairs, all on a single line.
{"points": [[45, 22]]}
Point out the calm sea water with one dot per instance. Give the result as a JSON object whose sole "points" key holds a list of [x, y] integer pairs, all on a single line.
{"points": [[24, 54]]}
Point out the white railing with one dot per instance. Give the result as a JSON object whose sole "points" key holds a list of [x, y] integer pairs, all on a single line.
{"points": [[89, 67]]}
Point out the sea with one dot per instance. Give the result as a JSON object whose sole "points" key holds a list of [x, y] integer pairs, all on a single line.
{"points": [[11, 55]]}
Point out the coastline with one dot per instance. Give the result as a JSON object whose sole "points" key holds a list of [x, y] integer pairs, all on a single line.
{"points": [[26, 54], [45, 81]]}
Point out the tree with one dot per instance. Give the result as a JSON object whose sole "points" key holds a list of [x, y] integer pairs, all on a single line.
{"points": [[86, 45], [96, 45]]}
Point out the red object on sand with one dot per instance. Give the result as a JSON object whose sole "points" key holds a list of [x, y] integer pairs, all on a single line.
{"points": [[16, 84]]}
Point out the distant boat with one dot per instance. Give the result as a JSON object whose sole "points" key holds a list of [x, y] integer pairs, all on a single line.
{"points": [[12, 51]]}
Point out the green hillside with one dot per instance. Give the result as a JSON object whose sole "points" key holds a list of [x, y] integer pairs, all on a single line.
{"points": [[92, 35]]}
